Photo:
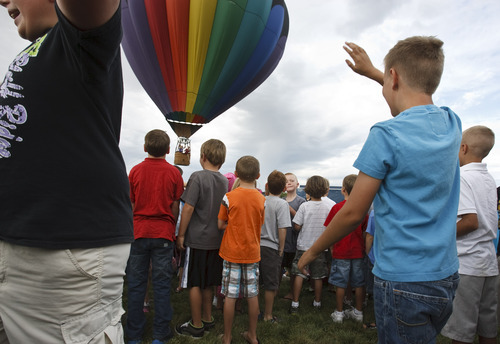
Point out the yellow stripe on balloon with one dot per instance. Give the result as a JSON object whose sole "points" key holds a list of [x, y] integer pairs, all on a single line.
{"points": [[189, 117], [201, 17]]}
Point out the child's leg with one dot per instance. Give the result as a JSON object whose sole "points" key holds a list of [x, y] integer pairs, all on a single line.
{"points": [[289, 296], [340, 298], [253, 315], [297, 287], [229, 304], [359, 293], [207, 297], [195, 301], [318, 287], [348, 293], [269, 303]]}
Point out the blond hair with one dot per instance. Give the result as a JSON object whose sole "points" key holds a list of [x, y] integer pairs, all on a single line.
{"points": [[419, 60], [214, 151], [479, 139]]}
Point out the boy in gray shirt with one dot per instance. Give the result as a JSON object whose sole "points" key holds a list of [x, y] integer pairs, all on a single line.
{"points": [[272, 240], [198, 232]]}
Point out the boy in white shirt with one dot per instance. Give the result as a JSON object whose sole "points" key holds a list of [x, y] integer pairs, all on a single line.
{"points": [[475, 303]]}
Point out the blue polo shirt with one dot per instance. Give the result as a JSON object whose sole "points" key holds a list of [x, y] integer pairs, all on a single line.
{"points": [[415, 154]]}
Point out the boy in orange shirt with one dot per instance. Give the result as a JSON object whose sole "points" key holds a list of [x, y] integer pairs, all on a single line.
{"points": [[241, 215]]}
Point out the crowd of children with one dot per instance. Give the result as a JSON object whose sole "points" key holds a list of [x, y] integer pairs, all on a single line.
{"points": [[434, 206], [242, 241]]}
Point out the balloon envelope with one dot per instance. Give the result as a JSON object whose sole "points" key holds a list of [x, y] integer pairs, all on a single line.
{"points": [[198, 58]]}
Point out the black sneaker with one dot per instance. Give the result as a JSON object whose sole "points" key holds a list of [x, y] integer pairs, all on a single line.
{"points": [[208, 325], [187, 329], [293, 310]]}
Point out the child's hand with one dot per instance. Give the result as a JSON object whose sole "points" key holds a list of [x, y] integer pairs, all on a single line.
{"points": [[362, 63], [180, 243], [304, 261]]}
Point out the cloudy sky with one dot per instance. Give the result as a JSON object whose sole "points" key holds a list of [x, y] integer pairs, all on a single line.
{"points": [[313, 113]]}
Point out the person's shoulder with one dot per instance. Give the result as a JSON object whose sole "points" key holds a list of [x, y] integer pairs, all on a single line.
{"points": [[300, 199]]}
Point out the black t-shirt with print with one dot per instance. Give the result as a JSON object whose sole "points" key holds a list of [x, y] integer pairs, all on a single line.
{"points": [[63, 182]]}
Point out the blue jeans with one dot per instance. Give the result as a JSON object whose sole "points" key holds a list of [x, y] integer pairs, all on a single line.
{"points": [[413, 312], [159, 252]]}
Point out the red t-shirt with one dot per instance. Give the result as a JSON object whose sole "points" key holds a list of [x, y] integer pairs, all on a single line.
{"points": [[154, 186], [353, 245]]}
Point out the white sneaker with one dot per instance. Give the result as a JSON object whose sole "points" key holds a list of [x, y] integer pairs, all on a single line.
{"points": [[337, 317], [352, 313]]}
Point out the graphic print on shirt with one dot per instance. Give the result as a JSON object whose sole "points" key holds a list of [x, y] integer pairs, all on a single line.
{"points": [[11, 117]]}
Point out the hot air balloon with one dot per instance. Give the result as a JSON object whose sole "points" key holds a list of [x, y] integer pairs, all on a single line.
{"points": [[197, 58]]}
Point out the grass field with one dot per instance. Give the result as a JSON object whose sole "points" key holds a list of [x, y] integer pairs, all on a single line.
{"points": [[308, 327]]}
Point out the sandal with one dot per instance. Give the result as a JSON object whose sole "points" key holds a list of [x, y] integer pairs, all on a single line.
{"points": [[370, 326]]}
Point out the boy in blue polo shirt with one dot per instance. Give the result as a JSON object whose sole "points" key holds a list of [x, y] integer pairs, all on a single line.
{"points": [[409, 168]]}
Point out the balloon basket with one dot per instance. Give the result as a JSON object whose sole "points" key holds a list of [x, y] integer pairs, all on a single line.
{"points": [[182, 154]]}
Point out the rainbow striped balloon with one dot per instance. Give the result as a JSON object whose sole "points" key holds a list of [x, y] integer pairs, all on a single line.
{"points": [[197, 58]]}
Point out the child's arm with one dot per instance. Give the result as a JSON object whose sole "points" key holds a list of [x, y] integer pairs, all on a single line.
{"points": [[223, 216], [221, 224], [368, 242], [292, 211], [282, 237], [175, 209], [347, 219], [467, 224], [187, 212], [88, 14], [362, 63], [297, 227]]}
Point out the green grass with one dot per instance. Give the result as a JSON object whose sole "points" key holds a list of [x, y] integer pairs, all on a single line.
{"points": [[308, 327]]}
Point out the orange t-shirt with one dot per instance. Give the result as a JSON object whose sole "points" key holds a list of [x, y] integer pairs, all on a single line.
{"points": [[243, 209]]}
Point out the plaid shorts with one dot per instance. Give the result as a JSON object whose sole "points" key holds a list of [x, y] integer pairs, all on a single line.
{"points": [[236, 276]]}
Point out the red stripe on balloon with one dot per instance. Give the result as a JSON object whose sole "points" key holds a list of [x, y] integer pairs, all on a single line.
{"points": [[178, 25], [158, 25]]}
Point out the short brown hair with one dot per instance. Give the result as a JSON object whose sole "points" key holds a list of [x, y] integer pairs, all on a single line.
{"points": [[419, 60], [276, 182], [479, 139], [248, 168], [348, 183], [157, 143], [316, 187], [214, 151]]}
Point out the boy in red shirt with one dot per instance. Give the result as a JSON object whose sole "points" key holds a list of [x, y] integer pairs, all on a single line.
{"points": [[241, 215], [155, 191], [347, 261]]}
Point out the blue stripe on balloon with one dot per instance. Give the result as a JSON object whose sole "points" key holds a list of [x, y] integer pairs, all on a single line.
{"points": [[263, 56]]}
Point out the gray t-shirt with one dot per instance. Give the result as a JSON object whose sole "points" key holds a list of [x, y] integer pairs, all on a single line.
{"points": [[204, 191], [291, 234], [276, 216]]}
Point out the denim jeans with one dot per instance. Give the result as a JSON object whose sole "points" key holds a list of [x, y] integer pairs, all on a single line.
{"points": [[413, 312], [159, 252]]}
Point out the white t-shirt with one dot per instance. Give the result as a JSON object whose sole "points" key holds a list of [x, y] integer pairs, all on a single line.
{"points": [[311, 216], [476, 251], [328, 201]]}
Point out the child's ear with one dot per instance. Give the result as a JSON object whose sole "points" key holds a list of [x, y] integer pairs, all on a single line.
{"points": [[395, 78], [145, 151]]}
